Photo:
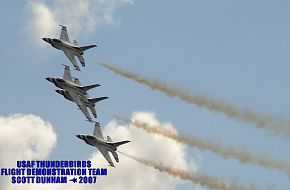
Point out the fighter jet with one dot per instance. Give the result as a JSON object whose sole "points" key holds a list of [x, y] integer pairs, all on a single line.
{"points": [[73, 90], [70, 50], [86, 100], [104, 146]]}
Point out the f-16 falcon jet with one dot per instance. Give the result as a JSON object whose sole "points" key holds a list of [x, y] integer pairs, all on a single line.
{"points": [[104, 146], [86, 100], [70, 50], [73, 90]]}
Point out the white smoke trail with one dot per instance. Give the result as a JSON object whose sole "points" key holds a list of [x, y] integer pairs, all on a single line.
{"points": [[225, 152], [274, 124], [209, 182]]}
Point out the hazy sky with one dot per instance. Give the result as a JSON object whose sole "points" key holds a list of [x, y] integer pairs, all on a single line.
{"points": [[236, 51]]}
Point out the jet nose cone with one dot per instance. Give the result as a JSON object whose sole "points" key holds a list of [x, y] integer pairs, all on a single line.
{"points": [[49, 79], [45, 39], [79, 136]]}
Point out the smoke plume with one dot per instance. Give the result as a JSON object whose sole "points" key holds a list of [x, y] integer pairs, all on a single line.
{"points": [[274, 124], [225, 152], [204, 180]]}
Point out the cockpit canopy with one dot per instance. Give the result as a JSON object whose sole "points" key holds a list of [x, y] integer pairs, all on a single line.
{"points": [[56, 40]]}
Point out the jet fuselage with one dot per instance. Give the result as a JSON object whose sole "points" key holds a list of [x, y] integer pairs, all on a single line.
{"points": [[67, 85], [84, 99], [62, 45], [93, 141]]}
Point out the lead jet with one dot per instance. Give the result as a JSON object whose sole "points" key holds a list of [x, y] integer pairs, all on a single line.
{"points": [[71, 50], [104, 146], [73, 90], [86, 100]]}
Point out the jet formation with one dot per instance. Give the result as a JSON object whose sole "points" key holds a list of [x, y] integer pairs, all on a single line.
{"points": [[72, 89]]}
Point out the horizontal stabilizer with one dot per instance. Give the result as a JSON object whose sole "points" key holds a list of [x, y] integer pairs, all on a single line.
{"points": [[116, 144], [95, 100], [88, 87], [84, 48]]}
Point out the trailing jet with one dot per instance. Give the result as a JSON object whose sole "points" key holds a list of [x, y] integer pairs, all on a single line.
{"points": [[73, 90], [86, 100], [70, 50], [104, 146]]}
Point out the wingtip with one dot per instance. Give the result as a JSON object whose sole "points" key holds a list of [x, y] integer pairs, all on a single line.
{"points": [[65, 65], [62, 25], [112, 165], [89, 120]]}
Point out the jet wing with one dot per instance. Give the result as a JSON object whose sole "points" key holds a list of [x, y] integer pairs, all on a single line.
{"points": [[118, 143], [72, 59], [88, 87], [106, 155], [80, 104], [98, 132], [64, 34], [66, 73]]}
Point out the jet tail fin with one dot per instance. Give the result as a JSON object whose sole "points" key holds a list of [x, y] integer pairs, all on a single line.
{"points": [[98, 132], [95, 100], [88, 87], [116, 144], [84, 48]]}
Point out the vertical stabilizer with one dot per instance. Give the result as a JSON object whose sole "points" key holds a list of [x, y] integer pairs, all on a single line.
{"points": [[98, 132]]}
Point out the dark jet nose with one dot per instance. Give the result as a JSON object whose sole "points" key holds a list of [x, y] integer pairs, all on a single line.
{"points": [[49, 79], [45, 39], [79, 136]]}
